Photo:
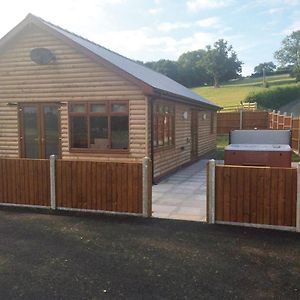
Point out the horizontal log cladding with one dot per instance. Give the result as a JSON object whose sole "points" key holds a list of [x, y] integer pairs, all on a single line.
{"points": [[71, 77]]}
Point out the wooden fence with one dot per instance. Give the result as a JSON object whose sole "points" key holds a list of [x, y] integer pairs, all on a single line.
{"points": [[227, 121], [99, 185], [77, 185], [254, 196], [25, 182], [284, 121], [252, 106]]}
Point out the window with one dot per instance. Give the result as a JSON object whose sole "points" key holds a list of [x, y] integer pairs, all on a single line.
{"points": [[99, 126], [163, 125]]}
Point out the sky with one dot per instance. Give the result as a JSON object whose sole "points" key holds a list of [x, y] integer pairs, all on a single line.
{"points": [[150, 30]]}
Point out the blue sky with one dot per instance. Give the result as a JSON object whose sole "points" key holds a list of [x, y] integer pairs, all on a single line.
{"points": [[154, 29]]}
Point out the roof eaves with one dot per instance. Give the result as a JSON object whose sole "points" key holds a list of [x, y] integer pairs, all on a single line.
{"points": [[163, 93]]}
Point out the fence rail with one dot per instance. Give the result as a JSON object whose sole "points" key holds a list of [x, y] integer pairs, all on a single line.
{"points": [[77, 185], [244, 105], [254, 196]]}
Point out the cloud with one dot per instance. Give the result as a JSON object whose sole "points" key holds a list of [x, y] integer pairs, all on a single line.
{"points": [[155, 11], [291, 2], [197, 5], [144, 44], [168, 26], [274, 10], [293, 27], [209, 22]]}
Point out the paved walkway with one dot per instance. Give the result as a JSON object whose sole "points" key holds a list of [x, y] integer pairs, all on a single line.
{"points": [[182, 195]]}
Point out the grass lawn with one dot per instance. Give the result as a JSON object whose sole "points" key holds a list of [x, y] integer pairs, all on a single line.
{"points": [[232, 92], [111, 257]]}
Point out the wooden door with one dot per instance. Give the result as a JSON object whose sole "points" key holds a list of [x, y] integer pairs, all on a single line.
{"points": [[39, 130], [194, 134]]}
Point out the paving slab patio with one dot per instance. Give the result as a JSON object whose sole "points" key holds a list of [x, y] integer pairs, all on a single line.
{"points": [[182, 196]]}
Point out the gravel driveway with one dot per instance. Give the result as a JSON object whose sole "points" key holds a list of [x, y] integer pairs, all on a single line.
{"points": [[103, 257]]}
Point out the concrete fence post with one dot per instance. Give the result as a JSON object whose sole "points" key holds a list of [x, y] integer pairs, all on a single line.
{"points": [[241, 119], [298, 200], [52, 182], [146, 186], [211, 191]]}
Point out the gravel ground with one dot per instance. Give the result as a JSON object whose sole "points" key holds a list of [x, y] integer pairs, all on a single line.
{"points": [[107, 257]]}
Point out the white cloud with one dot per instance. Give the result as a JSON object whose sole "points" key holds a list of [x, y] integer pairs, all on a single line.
{"points": [[155, 11], [274, 10], [69, 14], [291, 2], [144, 44], [293, 27], [209, 22], [167, 26], [197, 5]]}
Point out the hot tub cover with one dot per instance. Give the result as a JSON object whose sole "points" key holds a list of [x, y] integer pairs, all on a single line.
{"points": [[258, 147]]}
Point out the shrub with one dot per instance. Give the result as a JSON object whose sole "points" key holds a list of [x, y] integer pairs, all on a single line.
{"points": [[275, 98]]}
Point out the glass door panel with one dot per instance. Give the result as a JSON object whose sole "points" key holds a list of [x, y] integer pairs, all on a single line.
{"points": [[40, 130], [50, 140], [31, 132]]}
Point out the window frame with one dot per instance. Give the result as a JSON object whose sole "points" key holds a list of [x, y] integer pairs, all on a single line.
{"points": [[171, 121], [88, 113]]}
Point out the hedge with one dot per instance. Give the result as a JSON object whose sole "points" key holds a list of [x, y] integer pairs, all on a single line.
{"points": [[274, 98]]}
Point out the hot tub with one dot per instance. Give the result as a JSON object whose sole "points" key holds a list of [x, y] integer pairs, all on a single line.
{"points": [[258, 155], [259, 148]]}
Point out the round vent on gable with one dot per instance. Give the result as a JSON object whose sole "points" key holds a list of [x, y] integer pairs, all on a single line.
{"points": [[41, 56]]}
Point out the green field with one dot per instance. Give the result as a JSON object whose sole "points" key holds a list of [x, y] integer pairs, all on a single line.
{"points": [[233, 92]]}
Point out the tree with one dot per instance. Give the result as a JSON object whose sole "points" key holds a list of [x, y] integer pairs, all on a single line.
{"points": [[268, 66], [191, 72], [290, 53], [221, 62], [165, 66]]}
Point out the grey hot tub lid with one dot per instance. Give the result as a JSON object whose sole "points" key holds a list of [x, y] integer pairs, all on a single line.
{"points": [[258, 147]]}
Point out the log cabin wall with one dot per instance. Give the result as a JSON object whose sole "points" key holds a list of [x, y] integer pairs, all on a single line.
{"points": [[170, 158], [207, 132], [72, 77]]}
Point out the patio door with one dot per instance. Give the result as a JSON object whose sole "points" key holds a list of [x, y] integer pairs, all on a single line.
{"points": [[194, 134], [39, 130]]}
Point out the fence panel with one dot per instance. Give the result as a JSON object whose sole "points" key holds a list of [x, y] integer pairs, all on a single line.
{"points": [[295, 134], [227, 121], [25, 181], [107, 186], [256, 195]]}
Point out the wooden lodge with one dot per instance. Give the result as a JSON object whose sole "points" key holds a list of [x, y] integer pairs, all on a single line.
{"points": [[62, 94]]}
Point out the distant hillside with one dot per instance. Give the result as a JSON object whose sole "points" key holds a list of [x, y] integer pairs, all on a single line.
{"points": [[233, 92]]}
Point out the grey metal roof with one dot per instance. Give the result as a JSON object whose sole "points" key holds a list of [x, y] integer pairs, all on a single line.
{"points": [[148, 76]]}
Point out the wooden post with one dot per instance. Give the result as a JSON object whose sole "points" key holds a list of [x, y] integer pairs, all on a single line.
{"points": [[241, 119], [52, 182], [146, 186], [298, 138], [211, 191], [298, 200]]}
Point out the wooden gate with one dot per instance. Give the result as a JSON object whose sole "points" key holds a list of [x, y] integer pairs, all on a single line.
{"points": [[253, 196]]}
